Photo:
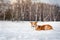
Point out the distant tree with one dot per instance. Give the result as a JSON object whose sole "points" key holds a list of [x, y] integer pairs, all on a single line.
{"points": [[8, 15]]}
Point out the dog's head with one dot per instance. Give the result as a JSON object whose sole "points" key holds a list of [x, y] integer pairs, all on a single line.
{"points": [[33, 24]]}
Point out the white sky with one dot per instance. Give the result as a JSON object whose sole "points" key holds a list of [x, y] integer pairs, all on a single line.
{"points": [[49, 1], [12, 1], [44, 1]]}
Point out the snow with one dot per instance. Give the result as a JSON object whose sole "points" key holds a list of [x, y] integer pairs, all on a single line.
{"points": [[23, 31]]}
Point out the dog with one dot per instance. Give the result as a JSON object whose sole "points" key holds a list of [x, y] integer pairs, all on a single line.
{"points": [[41, 27]]}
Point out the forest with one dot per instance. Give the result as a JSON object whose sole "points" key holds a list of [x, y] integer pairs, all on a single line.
{"points": [[29, 11]]}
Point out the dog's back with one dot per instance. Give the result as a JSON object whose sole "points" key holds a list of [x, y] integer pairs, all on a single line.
{"points": [[44, 27], [47, 27]]}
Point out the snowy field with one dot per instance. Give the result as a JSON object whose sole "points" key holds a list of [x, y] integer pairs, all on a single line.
{"points": [[23, 31]]}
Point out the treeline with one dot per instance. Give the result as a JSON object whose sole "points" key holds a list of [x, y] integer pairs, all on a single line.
{"points": [[29, 11]]}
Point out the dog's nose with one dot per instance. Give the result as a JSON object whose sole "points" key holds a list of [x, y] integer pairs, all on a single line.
{"points": [[32, 26]]}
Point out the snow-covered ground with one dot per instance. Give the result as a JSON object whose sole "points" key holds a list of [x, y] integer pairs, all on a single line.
{"points": [[23, 31]]}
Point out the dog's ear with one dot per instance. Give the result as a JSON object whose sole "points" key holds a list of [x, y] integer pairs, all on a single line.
{"points": [[35, 22], [31, 22]]}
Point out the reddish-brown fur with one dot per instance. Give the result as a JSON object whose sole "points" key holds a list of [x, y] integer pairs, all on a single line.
{"points": [[39, 27]]}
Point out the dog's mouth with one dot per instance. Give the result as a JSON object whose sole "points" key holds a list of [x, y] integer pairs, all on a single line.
{"points": [[33, 26]]}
